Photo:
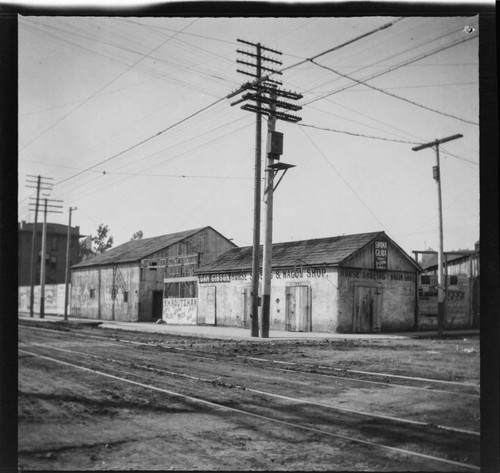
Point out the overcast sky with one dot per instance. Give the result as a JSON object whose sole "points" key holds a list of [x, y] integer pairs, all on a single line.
{"points": [[129, 117]]}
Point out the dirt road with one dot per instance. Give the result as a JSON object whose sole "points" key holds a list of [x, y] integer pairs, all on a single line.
{"points": [[97, 400]]}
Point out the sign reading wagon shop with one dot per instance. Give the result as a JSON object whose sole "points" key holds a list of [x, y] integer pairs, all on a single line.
{"points": [[293, 273]]}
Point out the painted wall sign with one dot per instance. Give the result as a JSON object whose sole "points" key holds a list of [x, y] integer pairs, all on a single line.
{"points": [[180, 310], [380, 249], [293, 273], [378, 276]]}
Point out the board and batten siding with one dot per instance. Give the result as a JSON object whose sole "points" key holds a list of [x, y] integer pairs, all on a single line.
{"points": [[92, 292]]}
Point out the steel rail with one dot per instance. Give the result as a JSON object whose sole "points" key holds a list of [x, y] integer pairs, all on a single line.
{"points": [[258, 416], [187, 352], [265, 393]]}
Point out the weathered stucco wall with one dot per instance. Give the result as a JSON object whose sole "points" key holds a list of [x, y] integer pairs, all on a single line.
{"points": [[309, 289], [395, 298]]}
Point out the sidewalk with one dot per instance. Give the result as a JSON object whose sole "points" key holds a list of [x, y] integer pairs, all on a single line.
{"points": [[232, 333]]}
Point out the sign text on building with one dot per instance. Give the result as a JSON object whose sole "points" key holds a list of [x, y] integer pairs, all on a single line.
{"points": [[380, 249]]}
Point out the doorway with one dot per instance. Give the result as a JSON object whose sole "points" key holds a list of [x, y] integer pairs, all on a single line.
{"points": [[298, 309], [157, 305], [366, 314]]}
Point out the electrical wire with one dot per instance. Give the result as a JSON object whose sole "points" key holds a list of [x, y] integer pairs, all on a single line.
{"points": [[358, 134], [378, 89], [343, 180], [104, 87]]}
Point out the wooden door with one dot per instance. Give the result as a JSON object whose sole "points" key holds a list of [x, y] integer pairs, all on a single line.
{"points": [[297, 309], [365, 309]]}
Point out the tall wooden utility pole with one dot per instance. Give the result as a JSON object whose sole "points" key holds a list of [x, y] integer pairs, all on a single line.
{"points": [[44, 249], [264, 91], [38, 185], [437, 178], [257, 75], [66, 279]]}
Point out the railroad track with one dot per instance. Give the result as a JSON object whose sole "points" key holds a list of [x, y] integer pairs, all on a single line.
{"points": [[175, 374], [418, 441], [368, 377]]}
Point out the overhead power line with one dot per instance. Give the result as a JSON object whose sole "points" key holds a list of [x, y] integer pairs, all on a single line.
{"points": [[104, 86], [392, 95], [343, 179], [398, 66], [143, 141], [358, 134]]}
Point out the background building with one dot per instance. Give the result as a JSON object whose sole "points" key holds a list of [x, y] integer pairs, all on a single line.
{"points": [[127, 282], [461, 289], [345, 284], [55, 256]]}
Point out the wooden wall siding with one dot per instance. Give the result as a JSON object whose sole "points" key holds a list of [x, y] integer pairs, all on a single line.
{"points": [[396, 261], [150, 280], [102, 306]]}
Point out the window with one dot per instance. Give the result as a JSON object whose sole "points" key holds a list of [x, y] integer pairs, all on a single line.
{"points": [[125, 296], [181, 289], [92, 293], [425, 279], [453, 280]]}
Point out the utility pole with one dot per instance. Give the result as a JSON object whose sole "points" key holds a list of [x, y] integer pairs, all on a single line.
{"points": [[265, 91], [39, 185], [44, 250], [257, 75], [66, 282], [437, 178]]}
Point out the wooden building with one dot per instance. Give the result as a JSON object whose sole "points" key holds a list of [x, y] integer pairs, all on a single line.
{"points": [[127, 282], [461, 281], [344, 284]]}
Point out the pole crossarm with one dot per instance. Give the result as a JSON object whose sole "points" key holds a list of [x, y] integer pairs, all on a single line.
{"points": [[437, 142], [279, 115]]}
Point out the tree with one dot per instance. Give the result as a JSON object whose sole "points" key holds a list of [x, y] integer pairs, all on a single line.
{"points": [[137, 235], [92, 246]]}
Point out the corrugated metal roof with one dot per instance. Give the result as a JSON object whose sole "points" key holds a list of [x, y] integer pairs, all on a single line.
{"points": [[329, 251], [135, 250]]}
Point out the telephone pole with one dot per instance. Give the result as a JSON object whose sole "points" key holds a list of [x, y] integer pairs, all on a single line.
{"points": [[265, 91], [44, 248], [40, 184], [68, 238], [256, 73], [437, 178]]}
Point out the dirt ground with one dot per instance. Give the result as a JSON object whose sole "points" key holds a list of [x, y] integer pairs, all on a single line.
{"points": [[74, 420]]}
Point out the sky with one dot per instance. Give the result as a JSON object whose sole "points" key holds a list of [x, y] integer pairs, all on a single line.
{"points": [[129, 118]]}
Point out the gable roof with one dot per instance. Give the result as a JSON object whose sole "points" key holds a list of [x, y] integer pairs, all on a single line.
{"points": [[135, 250], [325, 251]]}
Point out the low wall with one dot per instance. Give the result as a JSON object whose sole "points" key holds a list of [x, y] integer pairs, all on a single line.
{"points": [[54, 299]]}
